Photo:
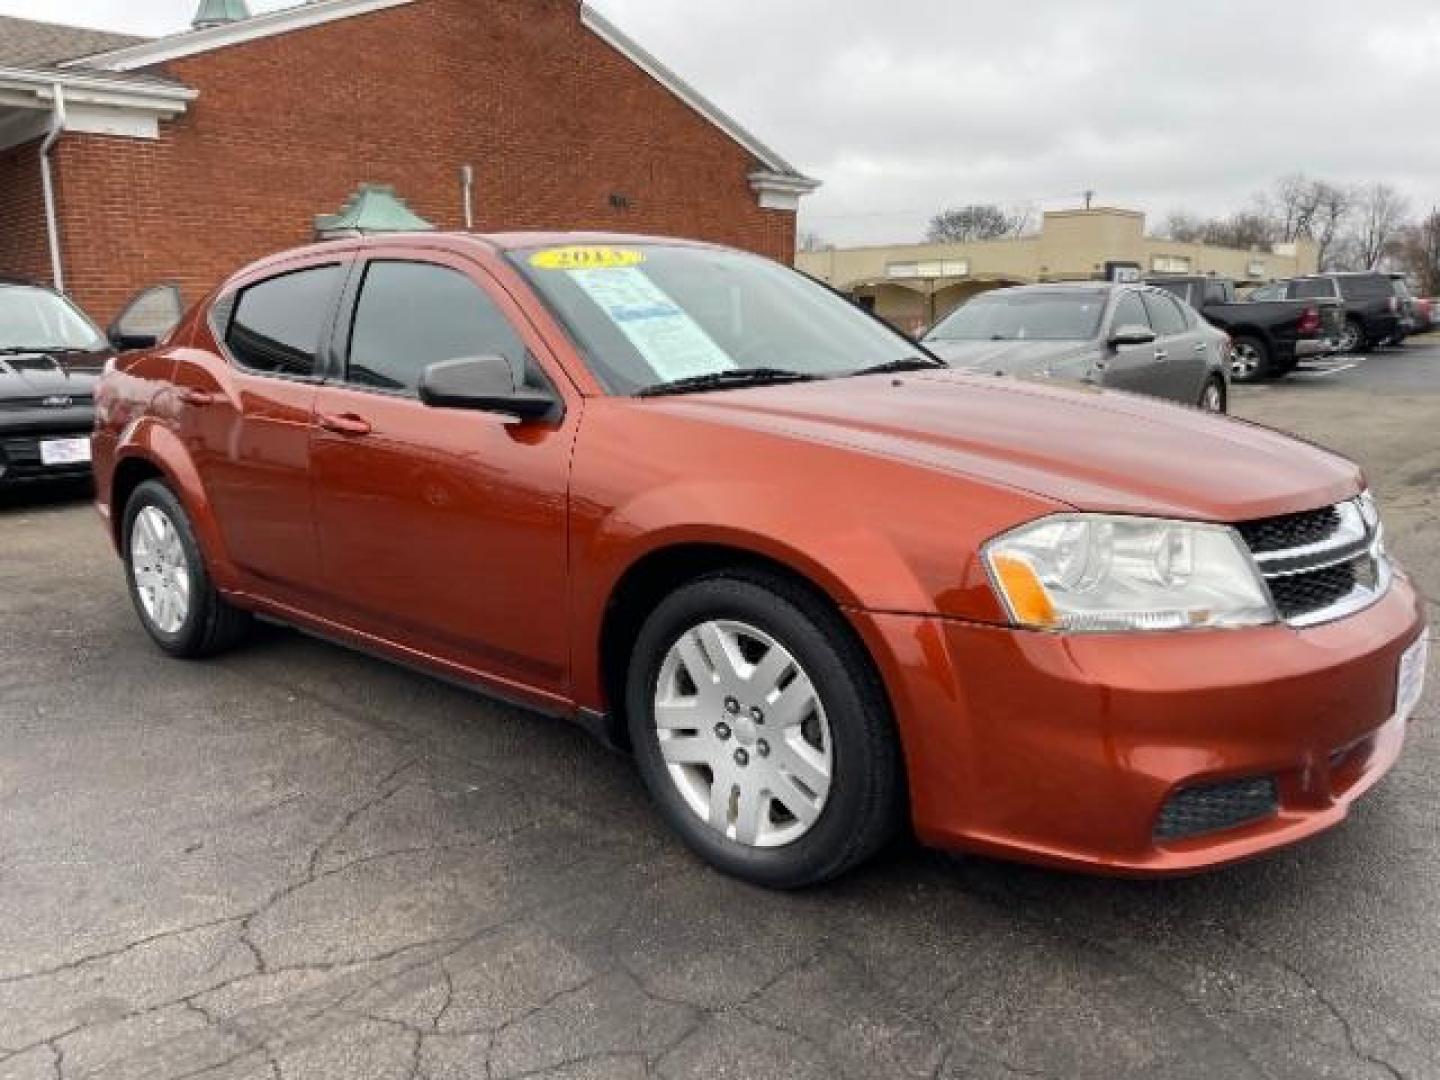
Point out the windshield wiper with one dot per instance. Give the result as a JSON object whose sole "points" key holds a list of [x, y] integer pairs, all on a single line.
{"points": [[896, 367], [723, 380]]}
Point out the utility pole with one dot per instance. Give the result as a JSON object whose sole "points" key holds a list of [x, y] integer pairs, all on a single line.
{"points": [[1089, 197]]}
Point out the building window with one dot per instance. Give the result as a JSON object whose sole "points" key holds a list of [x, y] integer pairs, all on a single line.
{"points": [[1170, 264], [1256, 270], [936, 268]]}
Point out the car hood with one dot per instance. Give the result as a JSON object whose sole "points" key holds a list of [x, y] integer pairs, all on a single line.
{"points": [[1087, 448], [1008, 357], [40, 375]]}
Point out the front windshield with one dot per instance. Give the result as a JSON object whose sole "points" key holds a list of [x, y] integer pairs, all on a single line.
{"points": [[1025, 315], [38, 319], [646, 315]]}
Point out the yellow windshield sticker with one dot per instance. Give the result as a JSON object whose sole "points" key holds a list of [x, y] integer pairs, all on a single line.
{"points": [[586, 258]]}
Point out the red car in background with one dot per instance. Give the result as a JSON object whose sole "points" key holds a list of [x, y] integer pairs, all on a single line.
{"points": [[815, 580]]}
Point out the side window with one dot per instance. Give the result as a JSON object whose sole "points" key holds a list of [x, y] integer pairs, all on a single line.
{"points": [[1165, 314], [1312, 289], [1269, 292], [277, 323], [411, 315], [1129, 312]]}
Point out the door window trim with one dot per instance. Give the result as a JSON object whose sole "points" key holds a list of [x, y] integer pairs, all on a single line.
{"points": [[229, 300], [337, 357]]}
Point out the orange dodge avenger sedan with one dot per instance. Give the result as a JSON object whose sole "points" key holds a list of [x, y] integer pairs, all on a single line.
{"points": [[814, 579]]}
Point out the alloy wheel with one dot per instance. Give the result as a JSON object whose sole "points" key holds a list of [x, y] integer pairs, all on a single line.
{"points": [[1350, 339], [1244, 361], [161, 570], [743, 734]]}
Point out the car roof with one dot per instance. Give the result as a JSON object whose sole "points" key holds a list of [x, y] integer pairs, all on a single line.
{"points": [[495, 243]]}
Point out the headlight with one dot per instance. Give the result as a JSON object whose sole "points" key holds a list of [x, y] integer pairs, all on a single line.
{"points": [[1093, 573]]}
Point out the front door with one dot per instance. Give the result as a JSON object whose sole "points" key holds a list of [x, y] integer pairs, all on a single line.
{"points": [[443, 529], [1184, 366], [246, 414], [1133, 367]]}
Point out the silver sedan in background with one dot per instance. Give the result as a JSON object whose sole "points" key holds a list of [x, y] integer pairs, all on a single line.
{"points": [[1123, 337]]}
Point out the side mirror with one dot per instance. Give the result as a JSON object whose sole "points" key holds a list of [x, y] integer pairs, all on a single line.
{"points": [[485, 384], [1133, 334], [149, 316]]}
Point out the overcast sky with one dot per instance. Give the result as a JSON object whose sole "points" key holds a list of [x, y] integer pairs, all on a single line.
{"points": [[906, 107]]}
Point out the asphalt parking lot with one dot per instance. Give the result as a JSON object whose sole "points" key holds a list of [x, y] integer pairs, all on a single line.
{"points": [[297, 862]]}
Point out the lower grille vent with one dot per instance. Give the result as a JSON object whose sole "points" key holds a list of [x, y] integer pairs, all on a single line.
{"points": [[1213, 807]]}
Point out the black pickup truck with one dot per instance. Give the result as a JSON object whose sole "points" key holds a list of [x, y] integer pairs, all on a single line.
{"points": [[1270, 336]]}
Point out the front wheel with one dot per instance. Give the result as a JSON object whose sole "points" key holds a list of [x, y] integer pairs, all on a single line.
{"points": [[1250, 359], [761, 731], [169, 585]]}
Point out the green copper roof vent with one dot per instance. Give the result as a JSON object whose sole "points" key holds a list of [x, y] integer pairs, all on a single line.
{"points": [[374, 208], [219, 12]]}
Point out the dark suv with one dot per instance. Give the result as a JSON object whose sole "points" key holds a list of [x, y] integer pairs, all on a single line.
{"points": [[1377, 305], [50, 357]]}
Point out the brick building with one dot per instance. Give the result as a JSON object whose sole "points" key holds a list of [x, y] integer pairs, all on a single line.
{"points": [[181, 158]]}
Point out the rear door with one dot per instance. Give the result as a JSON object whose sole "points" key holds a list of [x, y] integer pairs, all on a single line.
{"points": [[1132, 367], [1180, 348], [444, 530], [246, 411]]}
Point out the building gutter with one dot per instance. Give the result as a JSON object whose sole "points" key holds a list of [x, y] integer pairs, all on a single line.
{"points": [[47, 183]]}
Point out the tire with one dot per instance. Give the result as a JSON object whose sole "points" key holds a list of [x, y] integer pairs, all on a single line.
{"points": [[1214, 399], [1352, 338], [164, 544], [1250, 361], [726, 753]]}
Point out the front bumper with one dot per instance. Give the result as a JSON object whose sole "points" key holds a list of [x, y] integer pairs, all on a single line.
{"points": [[1063, 750], [21, 461]]}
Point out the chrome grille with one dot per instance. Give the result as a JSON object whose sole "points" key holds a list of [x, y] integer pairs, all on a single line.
{"points": [[1290, 530], [1323, 564]]}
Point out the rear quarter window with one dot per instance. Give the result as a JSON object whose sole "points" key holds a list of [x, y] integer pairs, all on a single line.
{"points": [[1367, 287]]}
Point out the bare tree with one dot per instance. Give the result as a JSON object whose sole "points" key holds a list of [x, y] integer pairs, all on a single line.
{"points": [[1292, 206], [1185, 227], [1421, 250], [978, 221], [1333, 207], [1245, 229], [810, 240], [1380, 213]]}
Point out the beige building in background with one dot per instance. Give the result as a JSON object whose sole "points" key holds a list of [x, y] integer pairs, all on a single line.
{"points": [[914, 285]]}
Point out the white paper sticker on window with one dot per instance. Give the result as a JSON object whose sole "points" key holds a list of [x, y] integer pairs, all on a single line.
{"points": [[671, 342]]}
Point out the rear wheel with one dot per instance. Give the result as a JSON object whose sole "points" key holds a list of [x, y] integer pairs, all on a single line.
{"points": [[1352, 338], [169, 585], [1212, 398], [1250, 359], [761, 731]]}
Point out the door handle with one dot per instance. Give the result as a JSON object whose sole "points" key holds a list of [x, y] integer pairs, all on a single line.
{"points": [[198, 398], [1201, 347], [345, 424], [1161, 355]]}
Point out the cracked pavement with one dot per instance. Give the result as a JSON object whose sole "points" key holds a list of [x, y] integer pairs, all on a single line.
{"points": [[297, 862]]}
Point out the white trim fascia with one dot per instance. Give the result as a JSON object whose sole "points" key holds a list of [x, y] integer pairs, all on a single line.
{"points": [[778, 191], [178, 46], [652, 66], [97, 88], [97, 104]]}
